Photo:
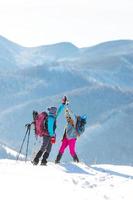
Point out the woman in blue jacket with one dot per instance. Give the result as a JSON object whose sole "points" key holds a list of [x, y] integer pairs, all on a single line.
{"points": [[70, 137]]}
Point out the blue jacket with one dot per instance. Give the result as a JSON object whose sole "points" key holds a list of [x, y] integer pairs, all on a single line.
{"points": [[71, 131], [51, 120]]}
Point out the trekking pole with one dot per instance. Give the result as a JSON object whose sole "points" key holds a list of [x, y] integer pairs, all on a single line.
{"points": [[27, 132]]}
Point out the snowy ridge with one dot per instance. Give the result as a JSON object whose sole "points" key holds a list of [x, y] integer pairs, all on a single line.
{"points": [[65, 181], [7, 152]]}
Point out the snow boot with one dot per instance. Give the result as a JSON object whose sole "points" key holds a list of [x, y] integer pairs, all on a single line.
{"points": [[75, 158], [58, 158], [36, 159], [44, 160]]}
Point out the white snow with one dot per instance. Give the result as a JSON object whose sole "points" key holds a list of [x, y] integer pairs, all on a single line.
{"points": [[11, 151], [20, 180]]}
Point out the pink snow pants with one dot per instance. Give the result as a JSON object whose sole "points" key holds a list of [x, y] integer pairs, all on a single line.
{"points": [[68, 142]]}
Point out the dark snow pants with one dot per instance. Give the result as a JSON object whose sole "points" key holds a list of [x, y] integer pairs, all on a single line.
{"points": [[46, 144]]}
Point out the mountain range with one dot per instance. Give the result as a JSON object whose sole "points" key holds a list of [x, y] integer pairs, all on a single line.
{"points": [[98, 81]]}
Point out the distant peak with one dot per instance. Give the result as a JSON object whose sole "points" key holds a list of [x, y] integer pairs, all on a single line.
{"points": [[4, 40], [61, 44], [115, 42]]}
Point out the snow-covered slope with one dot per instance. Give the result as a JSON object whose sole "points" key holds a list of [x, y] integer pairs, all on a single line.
{"points": [[13, 55], [20, 180], [7, 152], [46, 54], [8, 52]]}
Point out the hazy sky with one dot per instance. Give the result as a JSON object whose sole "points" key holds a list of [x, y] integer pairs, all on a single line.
{"points": [[82, 22]]}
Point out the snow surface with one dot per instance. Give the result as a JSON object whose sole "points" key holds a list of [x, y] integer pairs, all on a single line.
{"points": [[20, 180]]}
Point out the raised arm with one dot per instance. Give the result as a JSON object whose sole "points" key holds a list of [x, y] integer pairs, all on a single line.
{"points": [[61, 108]]}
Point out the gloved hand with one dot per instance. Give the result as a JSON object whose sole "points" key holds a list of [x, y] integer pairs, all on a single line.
{"points": [[64, 100], [53, 140]]}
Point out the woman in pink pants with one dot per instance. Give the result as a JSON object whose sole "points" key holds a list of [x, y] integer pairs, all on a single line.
{"points": [[69, 140]]}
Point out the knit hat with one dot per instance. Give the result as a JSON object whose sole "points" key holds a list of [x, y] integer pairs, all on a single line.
{"points": [[52, 110]]}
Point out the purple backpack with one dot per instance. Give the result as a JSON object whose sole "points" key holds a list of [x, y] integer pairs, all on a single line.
{"points": [[40, 122]]}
